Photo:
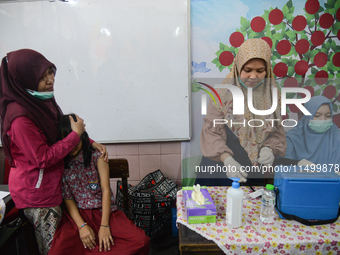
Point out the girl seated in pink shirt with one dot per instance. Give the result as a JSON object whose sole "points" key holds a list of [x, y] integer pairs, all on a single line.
{"points": [[92, 222]]}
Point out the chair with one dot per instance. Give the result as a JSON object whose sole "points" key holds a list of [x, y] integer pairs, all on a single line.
{"points": [[119, 168]]}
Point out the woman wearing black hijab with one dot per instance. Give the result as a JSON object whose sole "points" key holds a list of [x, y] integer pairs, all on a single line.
{"points": [[29, 119]]}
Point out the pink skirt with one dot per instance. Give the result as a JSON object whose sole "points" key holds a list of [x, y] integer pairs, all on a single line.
{"points": [[128, 238]]}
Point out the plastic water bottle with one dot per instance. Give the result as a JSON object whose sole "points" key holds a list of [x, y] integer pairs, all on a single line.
{"points": [[268, 204], [234, 204]]}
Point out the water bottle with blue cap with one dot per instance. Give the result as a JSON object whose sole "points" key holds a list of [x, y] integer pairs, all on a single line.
{"points": [[234, 204]]}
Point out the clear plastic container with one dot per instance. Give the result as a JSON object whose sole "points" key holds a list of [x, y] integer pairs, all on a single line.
{"points": [[268, 204]]}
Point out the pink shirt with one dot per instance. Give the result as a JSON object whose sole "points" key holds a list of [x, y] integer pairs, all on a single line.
{"points": [[35, 181]]}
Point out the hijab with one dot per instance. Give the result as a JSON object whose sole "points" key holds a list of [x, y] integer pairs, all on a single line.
{"points": [[304, 143], [21, 70], [251, 138]]}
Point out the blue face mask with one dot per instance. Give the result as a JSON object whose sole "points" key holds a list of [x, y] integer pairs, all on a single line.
{"points": [[41, 95], [320, 126], [244, 85]]}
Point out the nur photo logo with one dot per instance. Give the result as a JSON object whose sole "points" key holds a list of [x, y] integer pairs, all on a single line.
{"points": [[239, 102]]}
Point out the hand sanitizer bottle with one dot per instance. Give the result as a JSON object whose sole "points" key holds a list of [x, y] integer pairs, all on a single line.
{"points": [[234, 204]]}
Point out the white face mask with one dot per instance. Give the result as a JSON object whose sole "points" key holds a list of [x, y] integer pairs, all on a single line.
{"points": [[41, 95]]}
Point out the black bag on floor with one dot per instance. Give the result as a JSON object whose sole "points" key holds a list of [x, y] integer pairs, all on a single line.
{"points": [[150, 203]]}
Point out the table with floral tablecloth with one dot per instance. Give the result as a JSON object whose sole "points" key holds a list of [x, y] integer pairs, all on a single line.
{"points": [[255, 237]]}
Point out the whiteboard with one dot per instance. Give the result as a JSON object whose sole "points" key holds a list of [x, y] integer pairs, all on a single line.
{"points": [[122, 65]]}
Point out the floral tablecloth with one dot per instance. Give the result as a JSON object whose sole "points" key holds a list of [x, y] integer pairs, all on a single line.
{"points": [[256, 237]]}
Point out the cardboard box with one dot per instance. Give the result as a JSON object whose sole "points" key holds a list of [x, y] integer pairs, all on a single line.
{"points": [[199, 213]]}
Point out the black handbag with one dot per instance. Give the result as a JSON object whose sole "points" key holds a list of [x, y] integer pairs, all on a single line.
{"points": [[150, 203]]}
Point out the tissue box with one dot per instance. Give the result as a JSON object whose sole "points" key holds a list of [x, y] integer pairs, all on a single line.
{"points": [[199, 213]]}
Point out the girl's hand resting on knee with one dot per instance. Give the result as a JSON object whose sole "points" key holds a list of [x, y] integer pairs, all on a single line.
{"points": [[105, 238], [87, 237]]}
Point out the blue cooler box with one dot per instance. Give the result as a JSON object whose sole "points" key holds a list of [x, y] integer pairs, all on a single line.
{"points": [[306, 194]]}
